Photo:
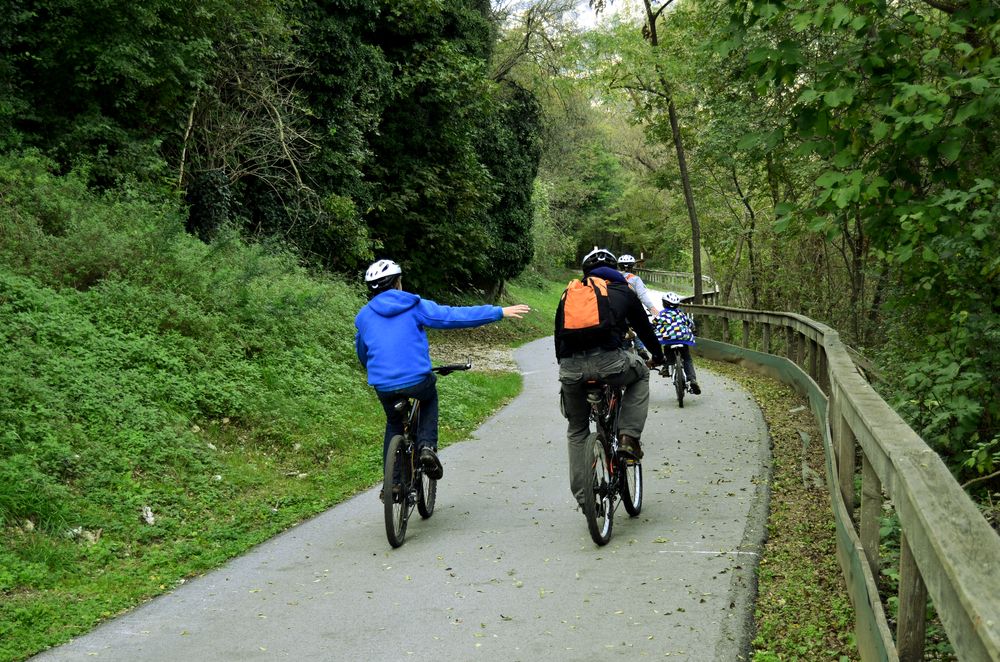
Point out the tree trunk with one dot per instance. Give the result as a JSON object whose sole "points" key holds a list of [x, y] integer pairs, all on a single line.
{"points": [[681, 160]]}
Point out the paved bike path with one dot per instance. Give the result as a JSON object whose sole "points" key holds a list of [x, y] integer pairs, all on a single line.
{"points": [[505, 569]]}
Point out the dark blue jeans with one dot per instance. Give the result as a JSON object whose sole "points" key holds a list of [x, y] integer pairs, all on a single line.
{"points": [[427, 417]]}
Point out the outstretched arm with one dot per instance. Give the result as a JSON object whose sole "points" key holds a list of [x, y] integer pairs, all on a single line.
{"points": [[516, 311]]}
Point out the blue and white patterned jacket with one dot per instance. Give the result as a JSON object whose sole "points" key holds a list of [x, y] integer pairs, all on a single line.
{"points": [[674, 327]]}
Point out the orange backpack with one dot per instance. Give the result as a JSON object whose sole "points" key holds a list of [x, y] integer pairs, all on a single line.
{"points": [[585, 314]]}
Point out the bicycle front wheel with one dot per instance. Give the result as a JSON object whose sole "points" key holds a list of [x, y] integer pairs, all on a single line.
{"points": [[597, 499], [679, 378], [426, 495], [631, 485], [396, 474]]}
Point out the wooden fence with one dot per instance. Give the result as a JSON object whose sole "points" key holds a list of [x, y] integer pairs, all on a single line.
{"points": [[679, 279], [948, 550]]}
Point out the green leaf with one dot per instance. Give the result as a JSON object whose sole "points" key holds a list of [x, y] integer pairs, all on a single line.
{"points": [[829, 178], [842, 95], [847, 195], [977, 85], [880, 130], [783, 208], [950, 151], [781, 224], [808, 96], [843, 159], [840, 14], [749, 141], [966, 111], [859, 22], [818, 224], [930, 256]]}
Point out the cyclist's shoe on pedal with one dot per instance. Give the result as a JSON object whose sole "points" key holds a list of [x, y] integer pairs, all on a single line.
{"points": [[630, 447], [695, 388], [431, 464], [395, 494]]}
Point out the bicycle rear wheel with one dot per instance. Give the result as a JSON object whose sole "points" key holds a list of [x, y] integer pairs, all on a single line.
{"points": [[631, 486], [598, 503], [679, 378], [426, 495], [397, 463]]}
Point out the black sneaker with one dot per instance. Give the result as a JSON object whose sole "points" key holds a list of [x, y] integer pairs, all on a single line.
{"points": [[431, 464], [695, 388]]}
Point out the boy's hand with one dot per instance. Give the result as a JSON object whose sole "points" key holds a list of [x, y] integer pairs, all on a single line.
{"points": [[516, 311]]}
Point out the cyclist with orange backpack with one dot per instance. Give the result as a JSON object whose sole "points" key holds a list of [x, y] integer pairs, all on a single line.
{"points": [[591, 322]]}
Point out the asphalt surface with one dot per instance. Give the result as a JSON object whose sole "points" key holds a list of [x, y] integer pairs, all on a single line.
{"points": [[505, 569]]}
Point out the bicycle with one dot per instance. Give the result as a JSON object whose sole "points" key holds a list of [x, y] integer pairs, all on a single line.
{"points": [[610, 475], [403, 471], [675, 369]]}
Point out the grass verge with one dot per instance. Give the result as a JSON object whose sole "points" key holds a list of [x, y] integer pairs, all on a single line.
{"points": [[166, 404], [803, 612]]}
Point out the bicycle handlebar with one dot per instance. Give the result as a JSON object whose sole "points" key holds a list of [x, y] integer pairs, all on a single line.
{"points": [[448, 369]]}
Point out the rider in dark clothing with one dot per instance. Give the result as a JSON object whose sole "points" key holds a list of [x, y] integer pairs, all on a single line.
{"points": [[607, 362], [628, 310]]}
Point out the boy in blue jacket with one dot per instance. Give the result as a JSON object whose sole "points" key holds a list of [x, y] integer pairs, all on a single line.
{"points": [[392, 346]]}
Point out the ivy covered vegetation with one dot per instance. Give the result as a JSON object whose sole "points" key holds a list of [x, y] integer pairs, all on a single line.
{"points": [[343, 128]]}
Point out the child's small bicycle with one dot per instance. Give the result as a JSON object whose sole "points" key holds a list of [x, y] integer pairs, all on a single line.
{"points": [[410, 486], [674, 367]]}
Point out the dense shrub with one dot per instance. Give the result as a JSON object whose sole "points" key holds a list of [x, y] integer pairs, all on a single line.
{"points": [[121, 333]]}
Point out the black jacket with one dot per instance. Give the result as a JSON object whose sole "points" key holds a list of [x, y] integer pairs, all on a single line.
{"points": [[629, 311]]}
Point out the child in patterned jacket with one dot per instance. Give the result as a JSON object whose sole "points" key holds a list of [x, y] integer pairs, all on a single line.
{"points": [[675, 327]]}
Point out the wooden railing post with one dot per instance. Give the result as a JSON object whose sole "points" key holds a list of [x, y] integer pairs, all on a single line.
{"points": [[746, 334], [800, 342], [871, 510], [813, 360], [766, 340], [845, 459], [824, 369], [725, 329], [910, 629], [789, 343]]}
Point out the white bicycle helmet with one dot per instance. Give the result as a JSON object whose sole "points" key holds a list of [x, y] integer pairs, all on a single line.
{"points": [[382, 276], [626, 262], [599, 257], [671, 300]]}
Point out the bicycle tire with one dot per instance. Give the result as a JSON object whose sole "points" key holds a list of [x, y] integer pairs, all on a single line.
{"points": [[598, 502], [396, 506], [426, 495], [631, 487], [679, 384]]}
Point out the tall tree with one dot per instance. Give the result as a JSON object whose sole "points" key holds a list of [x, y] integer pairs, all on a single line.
{"points": [[646, 79]]}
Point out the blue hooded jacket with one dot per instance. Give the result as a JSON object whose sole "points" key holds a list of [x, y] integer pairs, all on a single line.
{"points": [[391, 341]]}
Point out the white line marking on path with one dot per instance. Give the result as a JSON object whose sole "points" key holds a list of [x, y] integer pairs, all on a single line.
{"points": [[682, 551]]}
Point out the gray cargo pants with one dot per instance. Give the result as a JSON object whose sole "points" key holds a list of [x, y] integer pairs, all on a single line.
{"points": [[616, 367]]}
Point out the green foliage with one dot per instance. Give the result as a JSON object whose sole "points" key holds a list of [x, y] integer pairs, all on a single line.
{"points": [[553, 247], [898, 125], [215, 385]]}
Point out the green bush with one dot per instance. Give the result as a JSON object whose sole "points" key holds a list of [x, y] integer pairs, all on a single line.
{"points": [[122, 336]]}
